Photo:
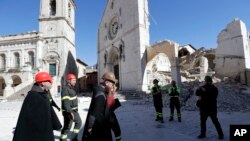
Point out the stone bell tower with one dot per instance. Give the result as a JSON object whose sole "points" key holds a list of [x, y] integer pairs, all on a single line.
{"points": [[56, 51]]}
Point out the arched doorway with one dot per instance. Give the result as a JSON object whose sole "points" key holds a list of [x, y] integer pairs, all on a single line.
{"points": [[159, 67], [2, 85], [114, 64], [168, 53], [16, 80]]}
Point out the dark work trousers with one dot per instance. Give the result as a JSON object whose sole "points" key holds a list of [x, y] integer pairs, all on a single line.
{"points": [[158, 108], [213, 115], [175, 103], [68, 123], [115, 125]]}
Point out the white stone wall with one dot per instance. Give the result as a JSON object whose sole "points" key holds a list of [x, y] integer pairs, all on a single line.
{"points": [[160, 63], [54, 43], [134, 32], [9, 45], [157, 68], [232, 53], [81, 70]]}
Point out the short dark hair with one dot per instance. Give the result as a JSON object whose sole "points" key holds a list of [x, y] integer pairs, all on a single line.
{"points": [[208, 79], [155, 81]]}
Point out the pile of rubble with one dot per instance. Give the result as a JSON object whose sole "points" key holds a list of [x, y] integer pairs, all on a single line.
{"points": [[231, 98]]}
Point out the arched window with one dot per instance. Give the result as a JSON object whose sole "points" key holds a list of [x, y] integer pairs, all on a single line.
{"points": [[2, 62], [52, 7], [17, 59], [31, 58]]}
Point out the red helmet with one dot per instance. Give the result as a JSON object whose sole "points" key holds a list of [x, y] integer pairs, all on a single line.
{"points": [[70, 76], [42, 77]]}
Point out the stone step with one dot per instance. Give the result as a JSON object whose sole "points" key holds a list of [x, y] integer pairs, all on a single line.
{"points": [[128, 95], [20, 95]]}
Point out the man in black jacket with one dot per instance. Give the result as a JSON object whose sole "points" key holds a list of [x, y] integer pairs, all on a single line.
{"points": [[37, 119], [70, 109], [208, 106], [99, 123]]}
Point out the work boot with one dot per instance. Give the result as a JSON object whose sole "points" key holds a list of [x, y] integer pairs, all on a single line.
{"points": [[201, 136], [179, 119], [63, 137], [118, 138], [171, 119], [74, 137], [221, 137]]}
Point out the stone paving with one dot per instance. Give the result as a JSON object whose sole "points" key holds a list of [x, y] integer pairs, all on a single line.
{"points": [[137, 122]]}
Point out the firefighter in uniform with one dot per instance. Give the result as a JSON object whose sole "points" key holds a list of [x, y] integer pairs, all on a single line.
{"points": [[174, 93], [70, 109], [208, 106], [157, 98]]}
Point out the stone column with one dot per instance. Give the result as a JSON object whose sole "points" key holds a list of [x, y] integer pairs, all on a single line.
{"points": [[8, 89], [38, 55], [8, 60], [23, 57], [175, 71]]}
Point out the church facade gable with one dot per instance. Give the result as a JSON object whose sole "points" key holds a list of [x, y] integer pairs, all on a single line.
{"points": [[123, 35]]}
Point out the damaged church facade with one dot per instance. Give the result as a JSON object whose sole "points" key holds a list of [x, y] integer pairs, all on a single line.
{"points": [[233, 52], [124, 48]]}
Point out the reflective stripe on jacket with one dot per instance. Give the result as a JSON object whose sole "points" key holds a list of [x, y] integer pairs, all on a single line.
{"points": [[174, 91], [69, 99]]}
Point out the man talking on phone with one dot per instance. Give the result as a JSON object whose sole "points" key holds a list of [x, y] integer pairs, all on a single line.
{"points": [[97, 126]]}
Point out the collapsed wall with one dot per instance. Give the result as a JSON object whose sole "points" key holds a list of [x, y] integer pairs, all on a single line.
{"points": [[232, 53]]}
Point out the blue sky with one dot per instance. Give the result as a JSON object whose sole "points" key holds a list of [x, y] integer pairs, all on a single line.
{"points": [[195, 22]]}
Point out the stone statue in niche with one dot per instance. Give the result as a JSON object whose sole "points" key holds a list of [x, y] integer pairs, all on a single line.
{"points": [[121, 50], [105, 58]]}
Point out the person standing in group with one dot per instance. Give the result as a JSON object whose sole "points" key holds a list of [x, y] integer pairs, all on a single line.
{"points": [[174, 93], [37, 119], [157, 99], [99, 124], [70, 109], [208, 106]]}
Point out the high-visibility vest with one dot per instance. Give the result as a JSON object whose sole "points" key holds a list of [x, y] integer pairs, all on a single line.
{"points": [[174, 91]]}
